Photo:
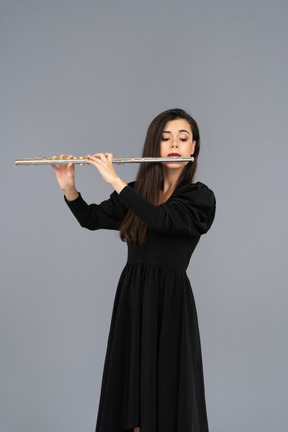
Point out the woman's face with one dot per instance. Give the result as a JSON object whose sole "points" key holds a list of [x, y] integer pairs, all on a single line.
{"points": [[177, 140]]}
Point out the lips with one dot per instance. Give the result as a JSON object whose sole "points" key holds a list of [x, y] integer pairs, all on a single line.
{"points": [[174, 155]]}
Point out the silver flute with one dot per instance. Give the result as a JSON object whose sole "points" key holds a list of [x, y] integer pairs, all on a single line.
{"points": [[82, 160]]}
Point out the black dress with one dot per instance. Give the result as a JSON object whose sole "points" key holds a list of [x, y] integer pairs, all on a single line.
{"points": [[153, 375]]}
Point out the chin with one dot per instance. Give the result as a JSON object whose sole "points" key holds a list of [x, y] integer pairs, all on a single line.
{"points": [[174, 165]]}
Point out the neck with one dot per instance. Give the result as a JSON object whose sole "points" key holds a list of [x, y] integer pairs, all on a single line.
{"points": [[170, 178]]}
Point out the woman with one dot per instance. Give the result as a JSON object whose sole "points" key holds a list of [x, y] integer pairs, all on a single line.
{"points": [[153, 378]]}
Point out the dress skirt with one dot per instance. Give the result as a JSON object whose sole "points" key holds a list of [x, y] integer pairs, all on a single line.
{"points": [[153, 375]]}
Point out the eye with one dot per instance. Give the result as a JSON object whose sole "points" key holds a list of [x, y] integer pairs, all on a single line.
{"points": [[183, 139], [164, 139]]}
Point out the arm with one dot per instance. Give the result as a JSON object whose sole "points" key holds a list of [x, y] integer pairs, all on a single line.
{"points": [[190, 210], [108, 214], [103, 162]]}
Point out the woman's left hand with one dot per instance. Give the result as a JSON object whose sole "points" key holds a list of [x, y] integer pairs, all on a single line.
{"points": [[103, 162]]}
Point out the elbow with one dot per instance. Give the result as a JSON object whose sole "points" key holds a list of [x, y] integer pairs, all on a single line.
{"points": [[90, 225]]}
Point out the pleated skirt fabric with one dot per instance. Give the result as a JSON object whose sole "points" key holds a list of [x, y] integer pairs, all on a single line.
{"points": [[153, 376]]}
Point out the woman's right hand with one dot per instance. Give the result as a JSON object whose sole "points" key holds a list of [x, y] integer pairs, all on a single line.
{"points": [[65, 174]]}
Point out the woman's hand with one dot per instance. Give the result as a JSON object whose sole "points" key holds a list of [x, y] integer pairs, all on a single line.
{"points": [[103, 162], [65, 174]]}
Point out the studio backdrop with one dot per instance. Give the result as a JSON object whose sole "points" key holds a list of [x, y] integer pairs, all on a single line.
{"points": [[88, 76]]}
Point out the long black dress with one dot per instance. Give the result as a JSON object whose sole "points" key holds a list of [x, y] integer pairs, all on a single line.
{"points": [[153, 375]]}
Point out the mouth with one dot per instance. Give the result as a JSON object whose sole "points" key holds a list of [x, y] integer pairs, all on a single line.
{"points": [[174, 155]]}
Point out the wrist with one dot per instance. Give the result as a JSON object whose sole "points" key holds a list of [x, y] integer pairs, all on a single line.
{"points": [[70, 193], [118, 184]]}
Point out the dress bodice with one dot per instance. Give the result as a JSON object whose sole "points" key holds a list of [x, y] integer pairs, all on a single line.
{"points": [[174, 227], [164, 249]]}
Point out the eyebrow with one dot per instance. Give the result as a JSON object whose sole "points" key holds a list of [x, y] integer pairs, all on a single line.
{"points": [[181, 130]]}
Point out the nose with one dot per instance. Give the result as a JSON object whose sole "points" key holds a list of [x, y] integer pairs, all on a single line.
{"points": [[174, 144]]}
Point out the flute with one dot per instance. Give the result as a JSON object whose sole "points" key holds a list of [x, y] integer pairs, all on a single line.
{"points": [[81, 160]]}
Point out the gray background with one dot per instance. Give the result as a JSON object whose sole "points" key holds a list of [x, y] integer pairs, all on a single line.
{"points": [[86, 76]]}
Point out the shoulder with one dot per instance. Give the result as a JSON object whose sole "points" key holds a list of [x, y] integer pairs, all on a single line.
{"points": [[197, 194], [198, 191], [197, 203]]}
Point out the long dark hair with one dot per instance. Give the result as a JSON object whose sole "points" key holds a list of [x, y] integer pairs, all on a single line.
{"points": [[150, 181]]}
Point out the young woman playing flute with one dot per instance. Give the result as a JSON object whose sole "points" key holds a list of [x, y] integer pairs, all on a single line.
{"points": [[153, 377]]}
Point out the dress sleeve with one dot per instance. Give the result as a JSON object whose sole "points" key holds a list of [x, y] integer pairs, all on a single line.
{"points": [[190, 210], [108, 215]]}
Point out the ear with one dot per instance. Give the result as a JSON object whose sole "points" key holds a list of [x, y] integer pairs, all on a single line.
{"points": [[193, 147]]}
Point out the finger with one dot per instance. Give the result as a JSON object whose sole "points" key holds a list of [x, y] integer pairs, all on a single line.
{"points": [[62, 156], [92, 160], [54, 166], [97, 157], [70, 165], [100, 156], [63, 166], [103, 157], [109, 156]]}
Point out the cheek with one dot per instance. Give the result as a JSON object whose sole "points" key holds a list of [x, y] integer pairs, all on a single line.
{"points": [[188, 149], [193, 145]]}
